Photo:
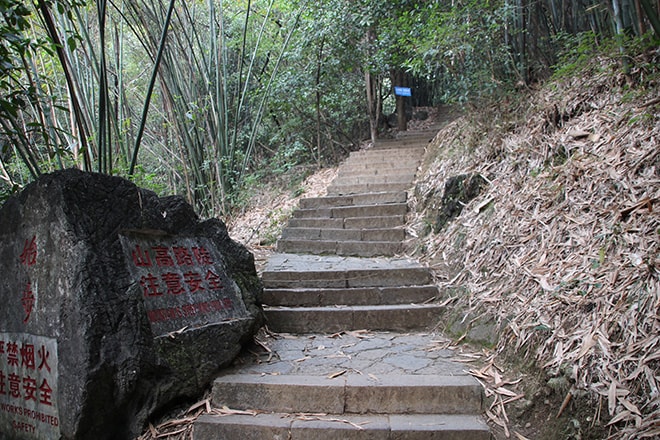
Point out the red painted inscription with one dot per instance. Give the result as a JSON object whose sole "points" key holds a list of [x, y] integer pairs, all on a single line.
{"points": [[180, 280], [21, 385], [28, 258]]}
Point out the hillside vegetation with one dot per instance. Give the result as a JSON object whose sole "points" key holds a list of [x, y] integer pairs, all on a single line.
{"points": [[553, 271]]}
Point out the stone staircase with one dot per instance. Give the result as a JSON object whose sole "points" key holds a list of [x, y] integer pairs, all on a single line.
{"points": [[359, 360], [328, 294], [365, 211]]}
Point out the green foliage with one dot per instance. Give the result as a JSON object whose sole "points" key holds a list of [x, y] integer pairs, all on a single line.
{"points": [[575, 53], [7, 191], [580, 52], [153, 180], [13, 45], [255, 88]]}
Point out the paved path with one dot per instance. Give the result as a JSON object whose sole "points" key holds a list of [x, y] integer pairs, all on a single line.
{"points": [[365, 353], [352, 352]]}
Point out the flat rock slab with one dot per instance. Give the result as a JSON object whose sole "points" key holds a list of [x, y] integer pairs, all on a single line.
{"points": [[356, 352]]}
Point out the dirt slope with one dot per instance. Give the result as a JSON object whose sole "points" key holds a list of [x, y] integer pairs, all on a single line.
{"points": [[560, 253]]}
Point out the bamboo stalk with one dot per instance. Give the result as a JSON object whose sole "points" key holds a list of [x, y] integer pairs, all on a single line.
{"points": [[150, 89]]}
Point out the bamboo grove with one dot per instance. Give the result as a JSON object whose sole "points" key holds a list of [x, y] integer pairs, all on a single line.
{"points": [[206, 97]]}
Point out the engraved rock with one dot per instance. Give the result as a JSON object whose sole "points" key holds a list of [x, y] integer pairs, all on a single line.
{"points": [[115, 304]]}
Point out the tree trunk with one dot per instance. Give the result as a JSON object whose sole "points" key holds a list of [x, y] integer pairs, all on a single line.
{"points": [[652, 16], [372, 104], [399, 80], [319, 65], [618, 21], [372, 84]]}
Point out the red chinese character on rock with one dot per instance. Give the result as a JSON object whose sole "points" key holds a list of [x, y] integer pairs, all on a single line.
{"points": [[173, 282], [214, 281], [150, 285], [43, 355], [28, 301], [183, 256], [3, 386], [202, 256], [30, 388], [163, 257], [29, 254], [12, 354], [27, 356], [141, 257], [194, 281], [45, 393], [14, 385]]}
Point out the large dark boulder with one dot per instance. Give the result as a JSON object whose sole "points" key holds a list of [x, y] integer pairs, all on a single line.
{"points": [[115, 304]]}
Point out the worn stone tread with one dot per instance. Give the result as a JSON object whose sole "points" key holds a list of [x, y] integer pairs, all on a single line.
{"points": [[311, 297], [350, 393], [338, 189], [357, 248], [354, 200], [337, 234], [378, 222], [269, 426], [331, 319]]}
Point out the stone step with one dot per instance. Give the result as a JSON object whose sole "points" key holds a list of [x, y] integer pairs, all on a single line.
{"points": [[378, 222], [406, 141], [386, 153], [373, 179], [345, 248], [333, 319], [311, 297], [387, 163], [345, 427], [386, 156], [337, 189], [354, 200], [326, 234], [401, 145], [286, 271], [376, 171], [384, 210], [384, 166], [349, 393]]}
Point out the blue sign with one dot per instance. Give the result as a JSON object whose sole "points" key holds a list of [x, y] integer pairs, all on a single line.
{"points": [[402, 91]]}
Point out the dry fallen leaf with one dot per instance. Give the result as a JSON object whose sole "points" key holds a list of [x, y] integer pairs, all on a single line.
{"points": [[336, 374]]}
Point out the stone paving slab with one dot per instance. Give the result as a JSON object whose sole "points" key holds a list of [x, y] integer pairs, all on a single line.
{"points": [[362, 353]]}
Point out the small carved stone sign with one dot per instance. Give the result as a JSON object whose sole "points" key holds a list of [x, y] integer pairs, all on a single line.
{"points": [[183, 282]]}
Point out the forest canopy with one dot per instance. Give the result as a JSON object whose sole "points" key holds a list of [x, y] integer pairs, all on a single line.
{"points": [[205, 98]]}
